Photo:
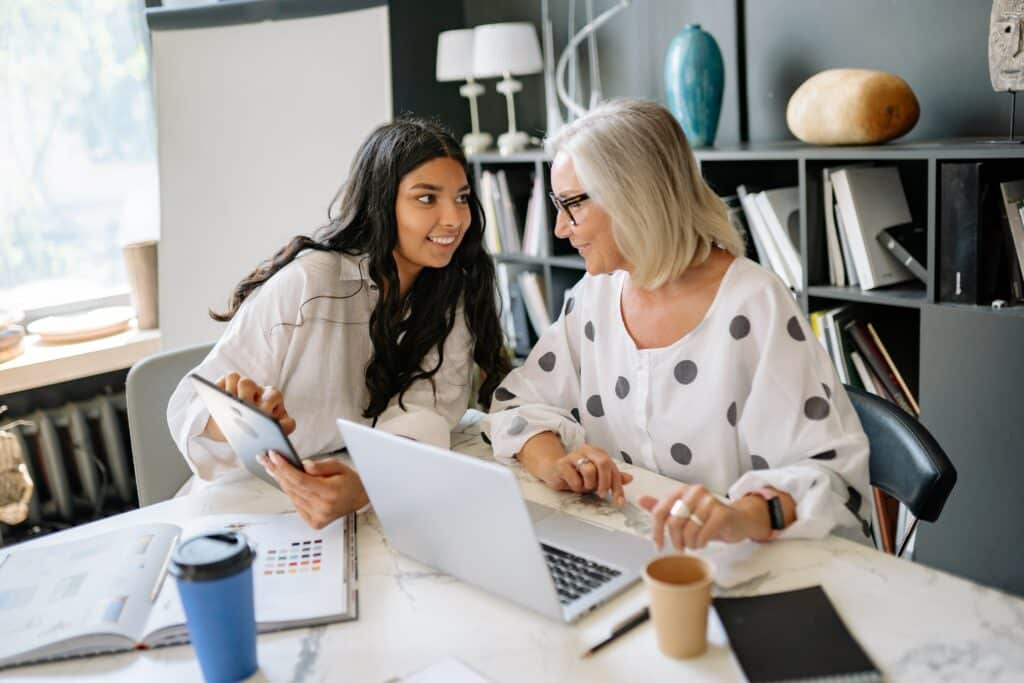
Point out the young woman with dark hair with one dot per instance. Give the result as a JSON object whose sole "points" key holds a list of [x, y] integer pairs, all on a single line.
{"points": [[379, 317]]}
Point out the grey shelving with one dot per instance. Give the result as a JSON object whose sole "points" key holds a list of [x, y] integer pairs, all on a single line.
{"points": [[963, 362]]}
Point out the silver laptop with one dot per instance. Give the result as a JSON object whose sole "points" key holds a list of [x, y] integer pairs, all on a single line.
{"points": [[467, 517]]}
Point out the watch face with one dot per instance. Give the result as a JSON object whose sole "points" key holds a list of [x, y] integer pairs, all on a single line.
{"points": [[775, 514]]}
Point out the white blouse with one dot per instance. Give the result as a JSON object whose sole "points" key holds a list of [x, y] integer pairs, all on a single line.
{"points": [[305, 331], [747, 399]]}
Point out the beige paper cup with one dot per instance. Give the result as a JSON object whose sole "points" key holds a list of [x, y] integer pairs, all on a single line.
{"points": [[140, 261], [679, 587]]}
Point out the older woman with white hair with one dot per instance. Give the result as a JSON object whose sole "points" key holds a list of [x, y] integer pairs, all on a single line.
{"points": [[677, 354]]}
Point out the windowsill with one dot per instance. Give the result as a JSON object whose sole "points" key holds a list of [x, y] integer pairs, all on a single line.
{"points": [[44, 364]]}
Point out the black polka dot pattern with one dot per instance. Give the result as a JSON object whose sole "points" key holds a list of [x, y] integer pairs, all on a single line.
{"points": [[854, 500], [730, 414], [828, 392], [739, 327], [588, 330], [816, 408], [827, 455], [503, 394], [570, 303], [758, 463], [794, 329], [681, 454], [512, 407], [594, 406], [518, 426], [685, 371], [576, 414], [622, 387], [547, 362], [484, 437], [625, 457]]}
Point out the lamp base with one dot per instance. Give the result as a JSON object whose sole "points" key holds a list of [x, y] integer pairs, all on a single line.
{"points": [[474, 143], [512, 142]]}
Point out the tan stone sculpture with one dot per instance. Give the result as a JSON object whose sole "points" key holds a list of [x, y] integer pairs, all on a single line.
{"points": [[852, 107], [15, 484], [1006, 46]]}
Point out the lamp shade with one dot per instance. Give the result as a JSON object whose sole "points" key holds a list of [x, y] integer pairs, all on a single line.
{"points": [[510, 48], [455, 55]]}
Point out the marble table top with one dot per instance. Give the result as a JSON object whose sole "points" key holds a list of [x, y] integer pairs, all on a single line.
{"points": [[917, 624]]}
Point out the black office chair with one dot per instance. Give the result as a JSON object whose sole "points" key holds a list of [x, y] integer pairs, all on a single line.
{"points": [[906, 461]]}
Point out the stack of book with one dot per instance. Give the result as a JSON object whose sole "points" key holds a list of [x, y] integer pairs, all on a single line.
{"points": [[870, 236], [861, 358], [12, 335], [773, 217], [503, 233], [981, 232]]}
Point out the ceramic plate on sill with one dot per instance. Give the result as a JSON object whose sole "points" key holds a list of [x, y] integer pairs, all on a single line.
{"points": [[10, 316], [66, 329]]}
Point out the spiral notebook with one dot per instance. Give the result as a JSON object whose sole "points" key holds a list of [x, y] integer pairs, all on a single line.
{"points": [[793, 636]]}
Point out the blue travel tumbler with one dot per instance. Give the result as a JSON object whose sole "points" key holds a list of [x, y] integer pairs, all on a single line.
{"points": [[214, 575]]}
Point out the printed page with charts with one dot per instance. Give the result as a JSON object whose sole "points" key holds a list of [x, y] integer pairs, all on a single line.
{"points": [[111, 592]]}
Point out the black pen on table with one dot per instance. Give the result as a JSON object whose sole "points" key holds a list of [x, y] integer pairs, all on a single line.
{"points": [[625, 627]]}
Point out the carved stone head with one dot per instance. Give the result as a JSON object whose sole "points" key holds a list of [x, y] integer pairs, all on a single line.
{"points": [[1006, 45]]}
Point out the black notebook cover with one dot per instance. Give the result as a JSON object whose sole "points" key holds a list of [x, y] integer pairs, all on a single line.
{"points": [[793, 636]]}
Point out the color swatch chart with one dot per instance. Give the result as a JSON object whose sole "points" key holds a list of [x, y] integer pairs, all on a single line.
{"points": [[299, 557]]}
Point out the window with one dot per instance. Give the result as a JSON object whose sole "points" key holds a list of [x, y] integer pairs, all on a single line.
{"points": [[78, 175]]}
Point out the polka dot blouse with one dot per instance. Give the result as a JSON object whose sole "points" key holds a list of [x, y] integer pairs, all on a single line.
{"points": [[747, 399]]}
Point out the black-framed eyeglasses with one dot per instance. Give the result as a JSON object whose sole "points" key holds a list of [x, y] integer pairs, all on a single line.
{"points": [[567, 204]]}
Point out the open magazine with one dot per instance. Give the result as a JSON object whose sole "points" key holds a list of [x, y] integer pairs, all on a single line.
{"points": [[111, 592]]}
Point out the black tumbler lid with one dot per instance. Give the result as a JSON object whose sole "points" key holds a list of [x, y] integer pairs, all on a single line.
{"points": [[213, 555]]}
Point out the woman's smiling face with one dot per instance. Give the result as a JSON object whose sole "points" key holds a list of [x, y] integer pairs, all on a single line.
{"points": [[432, 211], [592, 234]]}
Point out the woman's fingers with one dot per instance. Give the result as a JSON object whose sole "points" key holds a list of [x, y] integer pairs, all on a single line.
{"points": [[287, 424], [713, 524], [604, 467], [646, 502], [659, 517], [701, 510], [588, 471], [248, 391], [567, 471], [272, 402], [231, 383]]}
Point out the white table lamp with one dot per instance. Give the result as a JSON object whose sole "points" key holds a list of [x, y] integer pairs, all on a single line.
{"points": [[507, 50], [455, 63]]}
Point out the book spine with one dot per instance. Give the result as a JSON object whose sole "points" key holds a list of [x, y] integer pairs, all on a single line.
{"points": [[904, 256], [959, 230], [892, 368], [873, 357], [852, 228]]}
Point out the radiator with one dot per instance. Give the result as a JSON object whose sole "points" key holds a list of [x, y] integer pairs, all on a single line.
{"points": [[79, 458]]}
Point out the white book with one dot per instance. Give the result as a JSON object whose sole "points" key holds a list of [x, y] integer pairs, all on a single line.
{"points": [[762, 256], [863, 373], [505, 294], [1013, 200], [836, 271], [536, 303], [110, 592], [539, 243], [833, 334], [869, 200], [492, 238], [509, 219], [851, 272], [759, 229], [781, 211]]}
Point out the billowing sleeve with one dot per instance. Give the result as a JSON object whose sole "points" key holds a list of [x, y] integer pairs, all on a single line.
{"points": [[797, 424], [250, 346], [430, 410], [540, 395]]}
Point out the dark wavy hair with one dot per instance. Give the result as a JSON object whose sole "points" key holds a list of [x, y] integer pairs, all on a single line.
{"points": [[403, 330]]}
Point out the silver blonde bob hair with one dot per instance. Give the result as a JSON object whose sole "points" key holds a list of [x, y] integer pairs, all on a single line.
{"points": [[633, 159]]}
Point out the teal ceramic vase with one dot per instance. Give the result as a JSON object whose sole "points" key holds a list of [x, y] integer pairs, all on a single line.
{"points": [[694, 81]]}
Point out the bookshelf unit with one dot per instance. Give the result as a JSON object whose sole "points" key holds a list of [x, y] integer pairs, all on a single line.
{"points": [[963, 362]]}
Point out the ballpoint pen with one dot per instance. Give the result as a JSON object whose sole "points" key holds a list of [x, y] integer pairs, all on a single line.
{"points": [[624, 627]]}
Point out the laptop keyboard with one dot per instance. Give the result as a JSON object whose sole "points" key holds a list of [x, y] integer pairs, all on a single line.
{"points": [[575, 576]]}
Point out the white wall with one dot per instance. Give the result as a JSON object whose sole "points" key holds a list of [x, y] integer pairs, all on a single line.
{"points": [[257, 126]]}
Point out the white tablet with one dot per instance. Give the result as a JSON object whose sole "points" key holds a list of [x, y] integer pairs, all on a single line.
{"points": [[249, 430]]}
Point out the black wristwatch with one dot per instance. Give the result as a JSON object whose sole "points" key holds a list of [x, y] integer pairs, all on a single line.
{"points": [[776, 516]]}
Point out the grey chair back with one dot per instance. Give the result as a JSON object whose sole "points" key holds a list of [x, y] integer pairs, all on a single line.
{"points": [[160, 469]]}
